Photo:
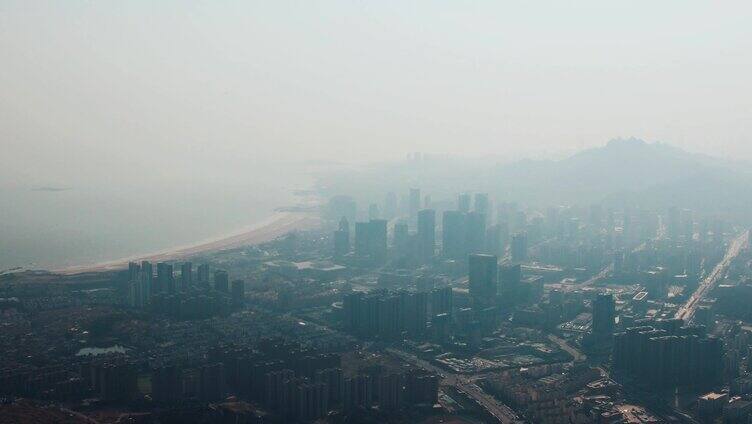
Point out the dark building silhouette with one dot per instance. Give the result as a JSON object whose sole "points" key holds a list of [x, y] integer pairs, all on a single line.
{"points": [[186, 276], [342, 238], [475, 232], [519, 247], [221, 281], [453, 235], [483, 279], [426, 234], [165, 278]]}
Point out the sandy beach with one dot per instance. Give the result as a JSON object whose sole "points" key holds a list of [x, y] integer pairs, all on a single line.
{"points": [[275, 226]]}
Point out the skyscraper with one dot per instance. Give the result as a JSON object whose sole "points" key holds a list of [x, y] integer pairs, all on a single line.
{"points": [[377, 240], [603, 315], [414, 204], [165, 278], [482, 205], [401, 238], [342, 239], [426, 234], [463, 202], [370, 240], [510, 280], [453, 234], [186, 275], [203, 274], [238, 292], [221, 282], [519, 247], [483, 278], [475, 232]]}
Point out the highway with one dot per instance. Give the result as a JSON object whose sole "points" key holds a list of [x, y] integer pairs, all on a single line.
{"points": [[687, 311], [464, 384]]}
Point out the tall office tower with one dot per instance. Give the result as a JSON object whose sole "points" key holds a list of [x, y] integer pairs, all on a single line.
{"points": [[463, 202], [441, 301], [427, 203], [370, 240], [340, 206], [426, 234], [475, 232], [519, 221], [342, 239], [401, 238], [361, 239], [519, 247], [390, 205], [221, 281], [377, 240], [510, 283], [414, 312], [135, 298], [414, 204], [165, 278], [482, 205], [603, 315], [147, 280], [133, 271], [483, 279], [453, 235], [672, 223], [493, 240], [186, 276], [503, 234], [238, 292], [373, 211], [203, 274]]}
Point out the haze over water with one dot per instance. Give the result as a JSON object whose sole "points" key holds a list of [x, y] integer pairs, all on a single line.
{"points": [[49, 229]]}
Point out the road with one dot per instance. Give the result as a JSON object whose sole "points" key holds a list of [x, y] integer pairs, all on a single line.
{"points": [[687, 311], [577, 356], [464, 384]]}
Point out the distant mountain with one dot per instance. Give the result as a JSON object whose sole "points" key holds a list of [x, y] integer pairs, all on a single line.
{"points": [[590, 175], [622, 172]]}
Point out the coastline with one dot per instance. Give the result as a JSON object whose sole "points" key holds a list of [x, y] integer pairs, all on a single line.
{"points": [[279, 224]]}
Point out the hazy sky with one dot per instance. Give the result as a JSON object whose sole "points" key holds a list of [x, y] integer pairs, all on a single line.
{"points": [[155, 89]]}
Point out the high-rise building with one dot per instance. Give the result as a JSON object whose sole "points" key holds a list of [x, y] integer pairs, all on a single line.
{"points": [[483, 278], [342, 238], [414, 204], [361, 239], [377, 240], [493, 241], [147, 278], [463, 202], [165, 278], [134, 270], [441, 301], [401, 238], [453, 235], [203, 274], [510, 280], [238, 292], [482, 205], [186, 276], [603, 315], [519, 247], [475, 232], [373, 211], [221, 281], [426, 234]]}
